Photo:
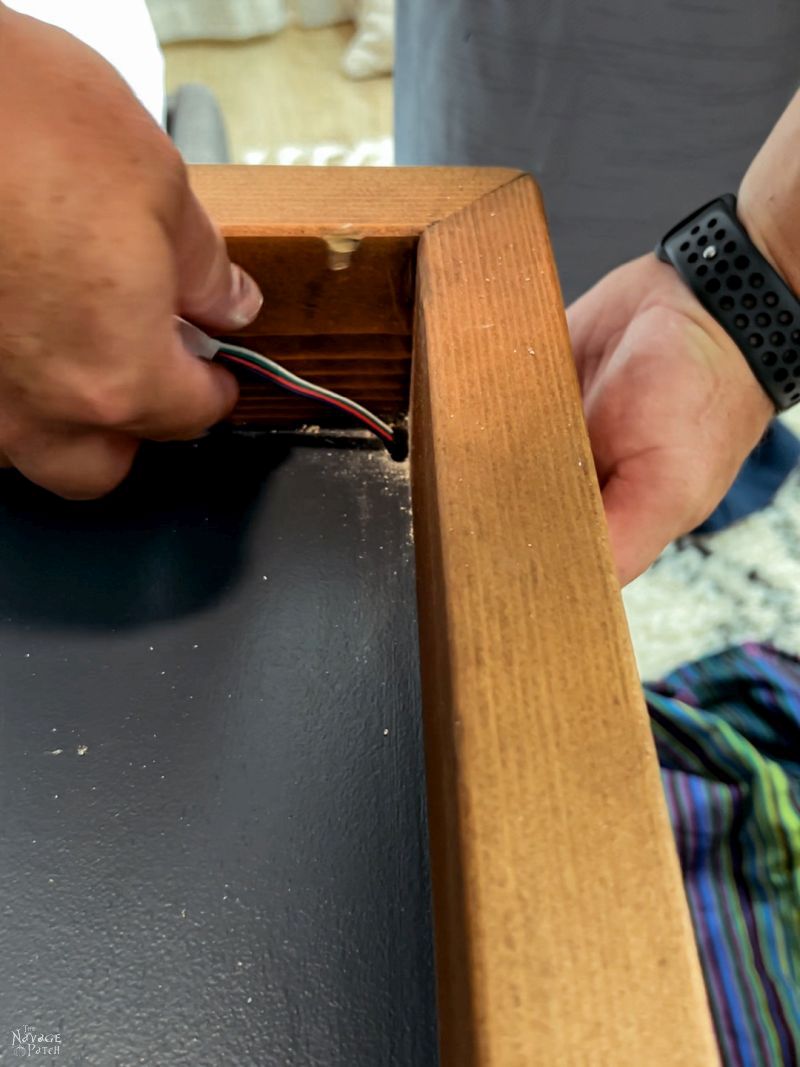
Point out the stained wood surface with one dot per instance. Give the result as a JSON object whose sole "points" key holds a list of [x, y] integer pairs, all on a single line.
{"points": [[562, 932], [371, 290], [287, 226], [372, 369], [389, 201]]}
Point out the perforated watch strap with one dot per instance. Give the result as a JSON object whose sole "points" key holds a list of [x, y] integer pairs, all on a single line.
{"points": [[714, 255]]}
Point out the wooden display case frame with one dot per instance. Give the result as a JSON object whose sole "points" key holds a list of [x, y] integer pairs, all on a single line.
{"points": [[562, 932]]}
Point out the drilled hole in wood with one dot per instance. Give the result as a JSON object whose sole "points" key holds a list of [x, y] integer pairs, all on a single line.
{"points": [[340, 249]]}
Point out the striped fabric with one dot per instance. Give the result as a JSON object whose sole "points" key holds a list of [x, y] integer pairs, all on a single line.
{"points": [[727, 730]]}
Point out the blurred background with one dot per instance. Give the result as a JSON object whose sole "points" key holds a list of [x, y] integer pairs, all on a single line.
{"points": [[294, 81]]}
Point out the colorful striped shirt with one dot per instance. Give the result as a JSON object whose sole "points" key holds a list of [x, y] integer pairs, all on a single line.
{"points": [[727, 731]]}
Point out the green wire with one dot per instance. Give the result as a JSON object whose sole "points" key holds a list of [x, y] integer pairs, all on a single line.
{"points": [[257, 360]]}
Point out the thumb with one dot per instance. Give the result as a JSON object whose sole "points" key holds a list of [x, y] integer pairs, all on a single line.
{"points": [[211, 289]]}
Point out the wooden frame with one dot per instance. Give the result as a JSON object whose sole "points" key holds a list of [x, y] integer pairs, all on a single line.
{"points": [[562, 933]]}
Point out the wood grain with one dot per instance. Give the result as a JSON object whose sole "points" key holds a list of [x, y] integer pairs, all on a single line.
{"points": [[374, 370], [313, 201], [283, 225], [371, 291], [563, 936]]}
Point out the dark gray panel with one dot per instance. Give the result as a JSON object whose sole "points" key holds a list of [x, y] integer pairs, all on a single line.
{"points": [[236, 868]]}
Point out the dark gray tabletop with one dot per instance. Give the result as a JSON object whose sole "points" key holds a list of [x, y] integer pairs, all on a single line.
{"points": [[212, 832]]}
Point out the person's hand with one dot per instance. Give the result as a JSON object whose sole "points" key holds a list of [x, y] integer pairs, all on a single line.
{"points": [[101, 244], [671, 406]]}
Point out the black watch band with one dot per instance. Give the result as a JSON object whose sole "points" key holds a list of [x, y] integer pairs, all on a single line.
{"points": [[715, 257]]}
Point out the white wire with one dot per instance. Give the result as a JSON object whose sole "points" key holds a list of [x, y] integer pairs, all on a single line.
{"points": [[282, 372]]}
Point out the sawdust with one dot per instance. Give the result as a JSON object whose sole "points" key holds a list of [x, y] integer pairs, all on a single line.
{"points": [[394, 476]]}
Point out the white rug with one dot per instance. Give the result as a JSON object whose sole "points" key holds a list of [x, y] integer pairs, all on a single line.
{"points": [[705, 594], [377, 153]]}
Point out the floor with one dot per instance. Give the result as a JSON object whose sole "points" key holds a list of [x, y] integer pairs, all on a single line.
{"points": [[285, 101]]}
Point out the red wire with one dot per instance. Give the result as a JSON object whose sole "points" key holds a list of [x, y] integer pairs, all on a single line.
{"points": [[292, 388]]}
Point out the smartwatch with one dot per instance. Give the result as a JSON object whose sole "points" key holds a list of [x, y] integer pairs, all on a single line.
{"points": [[714, 255]]}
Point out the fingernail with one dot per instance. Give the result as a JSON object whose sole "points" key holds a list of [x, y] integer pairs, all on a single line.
{"points": [[246, 298]]}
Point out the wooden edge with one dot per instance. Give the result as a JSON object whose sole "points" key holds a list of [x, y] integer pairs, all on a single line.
{"points": [[562, 931], [334, 251], [313, 201]]}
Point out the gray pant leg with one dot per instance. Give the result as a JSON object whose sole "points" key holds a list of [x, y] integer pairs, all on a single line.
{"points": [[629, 112]]}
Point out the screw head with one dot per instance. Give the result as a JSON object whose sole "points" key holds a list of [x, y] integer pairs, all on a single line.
{"points": [[710, 252]]}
